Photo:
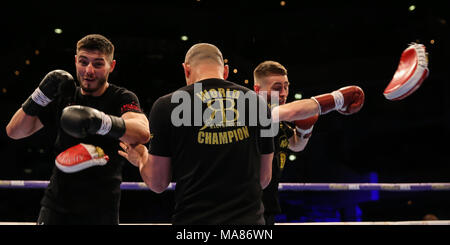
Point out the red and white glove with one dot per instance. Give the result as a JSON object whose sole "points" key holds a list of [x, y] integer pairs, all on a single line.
{"points": [[347, 100], [80, 157], [411, 72], [304, 127]]}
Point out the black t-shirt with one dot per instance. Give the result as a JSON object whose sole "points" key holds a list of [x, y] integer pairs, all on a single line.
{"points": [[281, 141], [216, 167], [96, 188]]}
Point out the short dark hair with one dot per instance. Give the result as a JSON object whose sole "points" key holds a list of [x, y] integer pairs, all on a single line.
{"points": [[97, 42], [269, 67]]}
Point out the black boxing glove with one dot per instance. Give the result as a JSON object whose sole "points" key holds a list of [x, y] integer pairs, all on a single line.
{"points": [[55, 83], [80, 121]]}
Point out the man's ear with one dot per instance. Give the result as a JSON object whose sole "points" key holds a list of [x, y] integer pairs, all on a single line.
{"points": [[187, 70], [113, 65], [226, 71], [256, 87]]}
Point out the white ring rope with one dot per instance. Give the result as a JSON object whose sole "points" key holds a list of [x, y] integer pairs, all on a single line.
{"points": [[413, 222], [39, 184]]}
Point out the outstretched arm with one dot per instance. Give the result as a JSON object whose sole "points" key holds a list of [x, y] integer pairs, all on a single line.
{"points": [[81, 121], [347, 100], [297, 110], [137, 128]]}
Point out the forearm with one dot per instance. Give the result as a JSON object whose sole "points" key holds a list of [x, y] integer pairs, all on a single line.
{"points": [[297, 110], [81, 121], [22, 125], [266, 170], [145, 170], [137, 131], [156, 172]]}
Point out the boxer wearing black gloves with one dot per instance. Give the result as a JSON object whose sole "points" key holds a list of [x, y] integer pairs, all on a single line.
{"points": [[79, 121], [97, 115], [55, 83]]}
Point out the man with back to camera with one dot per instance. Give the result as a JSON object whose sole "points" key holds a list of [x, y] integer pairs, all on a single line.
{"points": [[220, 163]]}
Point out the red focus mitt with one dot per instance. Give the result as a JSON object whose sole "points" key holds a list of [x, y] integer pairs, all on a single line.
{"points": [[347, 100], [80, 157], [411, 72], [304, 127]]}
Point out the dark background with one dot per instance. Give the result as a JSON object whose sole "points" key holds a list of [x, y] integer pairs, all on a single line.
{"points": [[324, 45]]}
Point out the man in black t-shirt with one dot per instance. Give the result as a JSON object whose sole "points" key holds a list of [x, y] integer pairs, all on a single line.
{"points": [[271, 77], [296, 120], [210, 137], [97, 113]]}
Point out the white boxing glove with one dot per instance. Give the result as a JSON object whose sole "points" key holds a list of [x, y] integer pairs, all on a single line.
{"points": [[80, 157]]}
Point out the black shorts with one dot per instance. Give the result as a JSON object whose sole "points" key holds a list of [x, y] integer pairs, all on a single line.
{"points": [[49, 216]]}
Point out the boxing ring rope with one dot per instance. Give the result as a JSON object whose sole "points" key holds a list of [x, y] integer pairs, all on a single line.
{"points": [[41, 184]]}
